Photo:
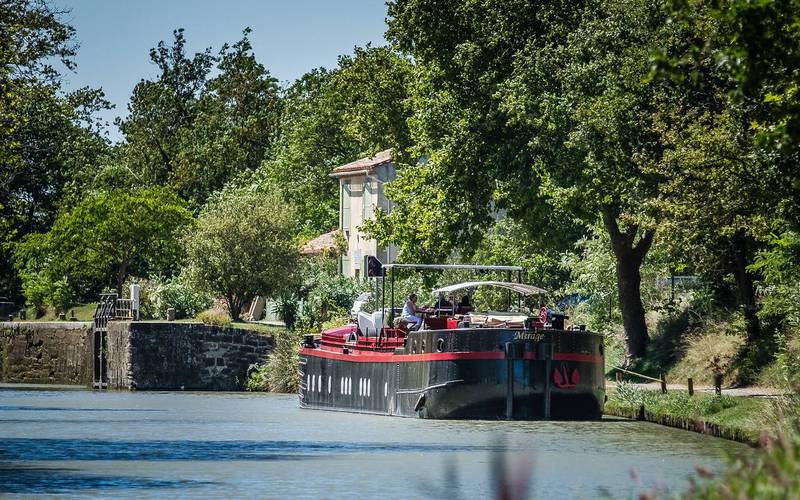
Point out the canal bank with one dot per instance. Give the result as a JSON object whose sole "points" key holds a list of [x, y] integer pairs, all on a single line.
{"points": [[141, 355], [742, 419]]}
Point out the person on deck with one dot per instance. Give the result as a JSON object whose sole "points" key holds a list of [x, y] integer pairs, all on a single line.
{"points": [[465, 305], [410, 312], [448, 304]]}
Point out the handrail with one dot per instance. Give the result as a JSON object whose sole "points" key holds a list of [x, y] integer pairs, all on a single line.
{"points": [[472, 267], [618, 368]]}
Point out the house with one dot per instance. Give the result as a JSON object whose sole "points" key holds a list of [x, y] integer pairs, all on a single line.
{"points": [[361, 191]]}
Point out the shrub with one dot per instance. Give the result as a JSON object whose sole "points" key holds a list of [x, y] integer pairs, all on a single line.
{"points": [[280, 373], [257, 378], [156, 295], [772, 472], [286, 308], [335, 322], [214, 318]]}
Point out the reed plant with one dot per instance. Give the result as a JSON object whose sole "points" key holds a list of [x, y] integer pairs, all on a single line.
{"points": [[280, 372]]}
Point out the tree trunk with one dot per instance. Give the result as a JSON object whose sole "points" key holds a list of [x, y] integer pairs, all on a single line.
{"points": [[234, 306], [745, 288], [122, 270], [629, 258]]}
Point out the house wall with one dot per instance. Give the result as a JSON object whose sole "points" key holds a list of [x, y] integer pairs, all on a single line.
{"points": [[360, 196]]}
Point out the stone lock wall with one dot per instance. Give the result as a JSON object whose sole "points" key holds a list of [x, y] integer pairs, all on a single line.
{"points": [[154, 355], [46, 353]]}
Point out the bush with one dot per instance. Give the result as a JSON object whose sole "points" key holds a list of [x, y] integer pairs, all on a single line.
{"points": [[280, 373], [156, 295], [335, 322], [772, 472], [214, 318], [286, 308]]}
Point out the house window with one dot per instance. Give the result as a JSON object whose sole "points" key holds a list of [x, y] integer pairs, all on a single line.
{"points": [[366, 201], [346, 205]]}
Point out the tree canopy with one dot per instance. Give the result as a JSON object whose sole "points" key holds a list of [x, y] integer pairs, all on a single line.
{"points": [[244, 244]]}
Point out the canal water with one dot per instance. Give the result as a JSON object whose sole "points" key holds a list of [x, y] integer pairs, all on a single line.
{"points": [[136, 444]]}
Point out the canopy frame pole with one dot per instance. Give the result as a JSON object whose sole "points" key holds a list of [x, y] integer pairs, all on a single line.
{"points": [[383, 304], [391, 314], [508, 295]]}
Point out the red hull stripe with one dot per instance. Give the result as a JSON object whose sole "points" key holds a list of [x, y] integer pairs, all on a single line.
{"points": [[438, 356]]}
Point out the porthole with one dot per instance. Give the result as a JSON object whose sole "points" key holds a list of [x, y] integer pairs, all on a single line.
{"points": [[329, 384], [385, 389], [423, 345], [440, 345], [414, 346]]}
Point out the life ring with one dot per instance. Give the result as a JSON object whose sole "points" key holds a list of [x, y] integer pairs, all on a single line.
{"points": [[543, 316]]}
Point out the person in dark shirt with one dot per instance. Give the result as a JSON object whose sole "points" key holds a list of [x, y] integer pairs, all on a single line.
{"points": [[465, 305], [446, 305]]}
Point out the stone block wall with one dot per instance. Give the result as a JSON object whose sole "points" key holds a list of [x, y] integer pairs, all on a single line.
{"points": [[155, 355], [46, 352]]}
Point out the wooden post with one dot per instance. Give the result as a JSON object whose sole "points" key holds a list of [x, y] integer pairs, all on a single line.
{"points": [[690, 383], [619, 376], [663, 384]]}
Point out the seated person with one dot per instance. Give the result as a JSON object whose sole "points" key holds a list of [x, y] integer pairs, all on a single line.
{"points": [[410, 312], [447, 305], [465, 305]]}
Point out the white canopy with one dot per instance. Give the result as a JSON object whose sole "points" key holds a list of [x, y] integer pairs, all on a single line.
{"points": [[515, 287]]}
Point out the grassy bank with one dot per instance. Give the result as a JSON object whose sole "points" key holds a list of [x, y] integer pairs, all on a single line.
{"points": [[82, 312], [742, 419]]}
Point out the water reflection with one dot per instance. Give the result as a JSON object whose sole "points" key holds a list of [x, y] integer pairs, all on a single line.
{"points": [[88, 449], [44, 480]]}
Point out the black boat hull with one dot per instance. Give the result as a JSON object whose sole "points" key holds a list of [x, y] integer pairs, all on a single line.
{"points": [[464, 374]]}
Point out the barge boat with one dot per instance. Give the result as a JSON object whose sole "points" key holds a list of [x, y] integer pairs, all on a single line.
{"points": [[492, 365]]}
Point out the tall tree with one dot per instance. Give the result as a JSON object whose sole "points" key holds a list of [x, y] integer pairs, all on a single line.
{"points": [[731, 164], [333, 117], [48, 139], [106, 233], [161, 112], [195, 132], [528, 106]]}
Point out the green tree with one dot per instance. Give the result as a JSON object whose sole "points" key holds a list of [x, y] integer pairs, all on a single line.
{"points": [[530, 107], [730, 167], [332, 117], [195, 132], [48, 139], [244, 244], [161, 112], [106, 234]]}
